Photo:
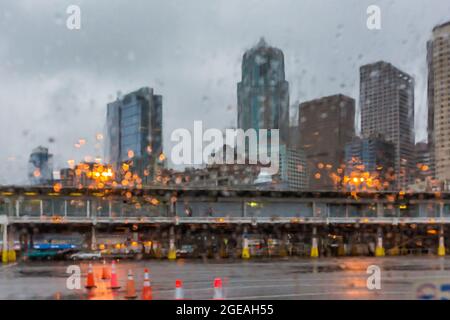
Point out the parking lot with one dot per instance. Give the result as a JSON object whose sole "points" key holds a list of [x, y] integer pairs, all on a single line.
{"points": [[294, 278]]}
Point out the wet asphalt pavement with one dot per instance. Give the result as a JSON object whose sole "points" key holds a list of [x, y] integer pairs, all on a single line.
{"points": [[324, 278]]}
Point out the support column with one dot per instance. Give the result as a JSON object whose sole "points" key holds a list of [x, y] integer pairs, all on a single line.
{"points": [[5, 243], [93, 238], [379, 249], [173, 207], [88, 208], [41, 208], [245, 248], [172, 255], [380, 210], [315, 244], [18, 208], [441, 247], [110, 209]]}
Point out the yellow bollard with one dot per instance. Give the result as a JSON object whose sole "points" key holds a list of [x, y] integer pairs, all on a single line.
{"points": [[379, 250], [441, 248], [245, 249], [172, 255], [245, 253], [314, 248]]}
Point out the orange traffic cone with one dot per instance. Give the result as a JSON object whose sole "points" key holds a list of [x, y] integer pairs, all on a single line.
{"points": [[131, 288], [179, 292], [147, 288], [90, 281], [218, 289], [105, 271], [114, 281]]}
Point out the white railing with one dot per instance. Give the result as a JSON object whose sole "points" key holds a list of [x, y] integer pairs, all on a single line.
{"points": [[221, 220]]}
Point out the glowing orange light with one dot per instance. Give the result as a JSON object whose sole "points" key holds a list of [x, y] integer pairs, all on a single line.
{"points": [[57, 187], [37, 173]]}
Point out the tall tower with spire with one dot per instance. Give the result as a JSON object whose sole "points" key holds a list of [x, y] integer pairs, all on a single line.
{"points": [[263, 93]]}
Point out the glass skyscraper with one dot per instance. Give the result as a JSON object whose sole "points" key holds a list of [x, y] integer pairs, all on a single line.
{"points": [[134, 127], [263, 93]]}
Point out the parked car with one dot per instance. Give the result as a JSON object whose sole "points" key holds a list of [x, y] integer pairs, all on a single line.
{"points": [[185, 251], [86, 255], [48, 254]]}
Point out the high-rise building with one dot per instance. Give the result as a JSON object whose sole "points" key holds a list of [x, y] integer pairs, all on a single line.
{"points": [[387, 109], [326, 125], [263, 93], [134, 126], [40, 166], [370, 160], [439, 100], [292, 172]]}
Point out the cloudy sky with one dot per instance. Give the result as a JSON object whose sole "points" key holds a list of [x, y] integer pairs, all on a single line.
{"points": [[55, 82]]}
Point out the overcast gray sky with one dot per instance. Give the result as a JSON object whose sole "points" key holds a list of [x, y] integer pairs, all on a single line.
{"points": [[55, 82]]}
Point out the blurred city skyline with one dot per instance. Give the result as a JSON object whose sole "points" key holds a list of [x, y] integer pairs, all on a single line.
{"points": [[56, 82]]}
